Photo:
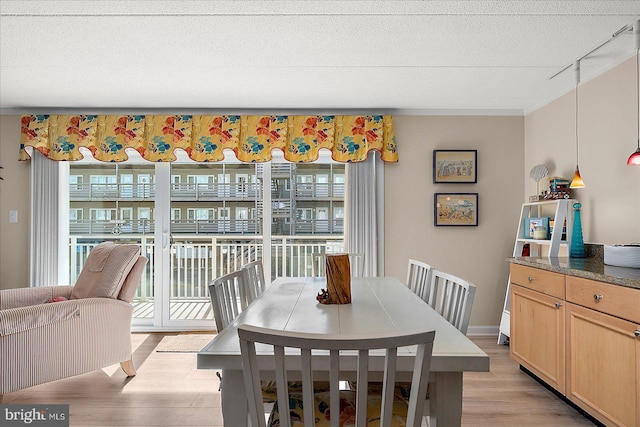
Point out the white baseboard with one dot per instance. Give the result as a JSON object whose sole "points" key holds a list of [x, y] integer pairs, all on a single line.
{"points": [[483, 331]]}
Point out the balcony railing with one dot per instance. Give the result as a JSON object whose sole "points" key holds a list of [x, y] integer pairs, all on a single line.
{"points": [[111, 191], [199, 227], [319, 190], [203, 191], [196, 260], [225, 226], [88, 227], [179, 191], [319, 226], [215, 191]]}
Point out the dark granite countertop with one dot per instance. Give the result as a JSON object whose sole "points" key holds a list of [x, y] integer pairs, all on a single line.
{"points": [[589, 268]]}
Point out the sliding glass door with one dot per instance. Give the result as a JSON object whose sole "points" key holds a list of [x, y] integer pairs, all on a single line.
{"points": [[113, 202], [211, 233], [199, 221], [305, 198]]}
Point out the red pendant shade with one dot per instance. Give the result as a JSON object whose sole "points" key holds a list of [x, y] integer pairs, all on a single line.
{"points": [[634, 158]]}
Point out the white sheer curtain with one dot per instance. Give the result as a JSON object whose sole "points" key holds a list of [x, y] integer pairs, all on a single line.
{"points": [[44, 221], [364, 222]]}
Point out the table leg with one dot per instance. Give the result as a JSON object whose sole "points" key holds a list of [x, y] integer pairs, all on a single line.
{"points": [[234, 399], [446, 400]]}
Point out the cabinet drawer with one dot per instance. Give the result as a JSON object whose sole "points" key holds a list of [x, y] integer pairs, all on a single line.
{"points": [[539, 280], [615, 300]]}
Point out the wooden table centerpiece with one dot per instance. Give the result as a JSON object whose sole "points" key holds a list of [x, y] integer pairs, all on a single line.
{"points": [[338, 280]]}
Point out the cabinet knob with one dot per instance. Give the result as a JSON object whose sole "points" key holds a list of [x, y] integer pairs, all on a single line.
{"points": [[597, 297], [531, 278], [558, 304], [636, 333]]}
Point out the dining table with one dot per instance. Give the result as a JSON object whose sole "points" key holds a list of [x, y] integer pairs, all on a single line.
{"points": [[378, 304]]}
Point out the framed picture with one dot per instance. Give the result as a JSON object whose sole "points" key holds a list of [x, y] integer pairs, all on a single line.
{"points": [[455, 209], [532, 222], [455, 166]]}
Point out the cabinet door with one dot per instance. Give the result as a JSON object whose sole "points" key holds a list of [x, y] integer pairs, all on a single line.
{"points": [[537, 334], [603, 365]]}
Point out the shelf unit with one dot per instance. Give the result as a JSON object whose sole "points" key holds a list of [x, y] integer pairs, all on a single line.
{"points": [[559, 210]]}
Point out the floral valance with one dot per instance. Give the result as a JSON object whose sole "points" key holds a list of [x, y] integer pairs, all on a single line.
{"points": [[155, 137]]}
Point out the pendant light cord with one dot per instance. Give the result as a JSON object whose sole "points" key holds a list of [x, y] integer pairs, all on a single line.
{"points": [[638, 91], [577, 147], [577, 75]]}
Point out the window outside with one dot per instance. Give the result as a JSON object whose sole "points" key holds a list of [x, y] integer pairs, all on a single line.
{"points": [[216, 217]]}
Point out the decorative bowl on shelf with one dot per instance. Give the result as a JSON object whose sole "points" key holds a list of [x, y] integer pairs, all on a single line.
{"points": [[622, 255]]}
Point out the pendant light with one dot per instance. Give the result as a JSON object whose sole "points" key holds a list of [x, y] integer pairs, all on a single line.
{"points": [[634, 158], [577, 182]]}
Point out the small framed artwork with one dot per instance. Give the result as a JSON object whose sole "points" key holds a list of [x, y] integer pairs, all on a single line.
{"points": [[532, 222], [455, 209], [455, 166]]}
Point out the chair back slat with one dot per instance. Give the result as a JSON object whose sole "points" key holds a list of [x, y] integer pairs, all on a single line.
{"points": [[254, 280], [357, 264], [452, 297], [419, 279], [335, 344], [227, 298]]}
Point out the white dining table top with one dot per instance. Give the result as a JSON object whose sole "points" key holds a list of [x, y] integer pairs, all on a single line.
{"points": [[380, 304]]}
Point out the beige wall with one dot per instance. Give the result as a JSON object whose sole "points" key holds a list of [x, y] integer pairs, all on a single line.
{"points": [[607, 135], [477, 254], [507, 149], [14, 195]]}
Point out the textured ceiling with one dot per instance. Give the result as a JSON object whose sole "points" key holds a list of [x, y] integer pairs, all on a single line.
{"points": [[415, 57]]}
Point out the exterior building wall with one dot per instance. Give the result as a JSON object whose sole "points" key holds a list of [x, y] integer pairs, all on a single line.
{"points": [[213, 194]]}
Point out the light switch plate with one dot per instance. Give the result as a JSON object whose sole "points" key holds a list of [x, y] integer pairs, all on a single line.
{"points": [[13, 216]]}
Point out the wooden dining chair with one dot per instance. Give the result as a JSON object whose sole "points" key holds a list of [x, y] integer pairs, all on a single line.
{"points": [[452, 297], [356, 260], [309, 405], [228, 298], [419, 278], [254, 281]]}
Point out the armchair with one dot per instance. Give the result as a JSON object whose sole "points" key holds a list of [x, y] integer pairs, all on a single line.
{"points": [[42, 341]]}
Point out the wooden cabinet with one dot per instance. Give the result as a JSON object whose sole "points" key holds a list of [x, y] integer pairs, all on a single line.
{"points": [[603, 351], [537, 334], [582, 337], [538, 323]]}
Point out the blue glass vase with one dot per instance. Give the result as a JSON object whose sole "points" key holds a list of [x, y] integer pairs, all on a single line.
{"points": [[577, 243]]}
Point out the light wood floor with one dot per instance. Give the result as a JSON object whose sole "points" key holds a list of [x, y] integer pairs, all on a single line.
{"points": [[170, 391]]}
